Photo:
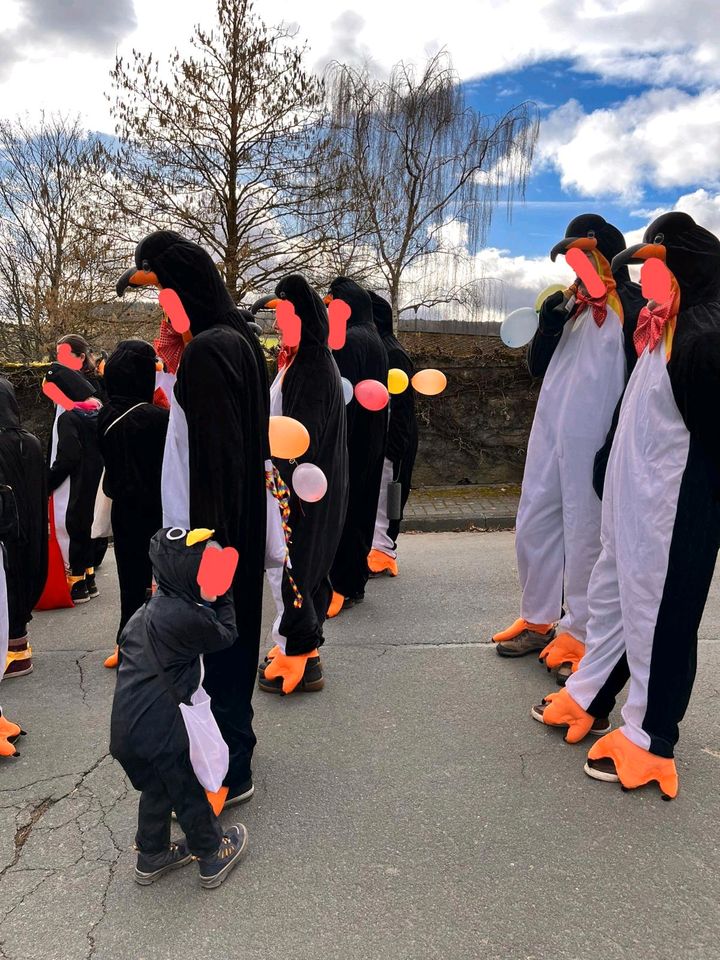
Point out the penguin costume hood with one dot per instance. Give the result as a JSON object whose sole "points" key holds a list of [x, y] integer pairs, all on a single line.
{"points": [[215, 458], [311, 392], [168, 633], [362, 358]]}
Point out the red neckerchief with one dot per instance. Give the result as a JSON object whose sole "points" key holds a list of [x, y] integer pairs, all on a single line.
{"points": [[169, 347], [599, 306], [651, 324]]}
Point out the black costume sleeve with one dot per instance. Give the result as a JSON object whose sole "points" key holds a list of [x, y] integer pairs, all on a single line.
{"points": [[551, 323], [213, 423], [349, 363], [68, 453], [402, 415], [222, 632], [695, 376]]}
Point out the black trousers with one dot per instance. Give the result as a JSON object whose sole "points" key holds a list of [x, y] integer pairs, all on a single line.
{"points": [[133, 529], [169, 787]]}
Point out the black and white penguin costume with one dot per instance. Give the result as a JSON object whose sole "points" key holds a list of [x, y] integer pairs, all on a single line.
{"points": [[75, 470], [660, 523], [131, 434], [23, 474], [401, 448], [308, 389], [214, 462], [582, 355], [362, 358]]}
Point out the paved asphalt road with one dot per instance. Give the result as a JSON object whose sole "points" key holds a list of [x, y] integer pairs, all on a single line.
{"points": [[411, 811]]}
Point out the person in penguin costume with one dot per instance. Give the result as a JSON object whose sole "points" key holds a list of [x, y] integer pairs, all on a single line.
{"points": [[401, 448], [363, 357], [582, 351], [74, 474], [308, 389], [131, 434], [23, 500], [660, 520], [215, 460], [163, 648]]}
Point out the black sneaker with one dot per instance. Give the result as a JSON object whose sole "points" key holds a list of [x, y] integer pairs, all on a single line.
{"points": [[240, 795], [602, 769], [215, 868], [91, 585], [151, 866], [79, 592], [312, 679]]}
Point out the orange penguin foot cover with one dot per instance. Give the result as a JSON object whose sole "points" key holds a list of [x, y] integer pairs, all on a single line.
{"points": [[563, 649], [562, 711], [636, 767]]}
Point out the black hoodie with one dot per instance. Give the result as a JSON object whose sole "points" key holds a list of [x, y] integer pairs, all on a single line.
{"points": [[362, 358], [22, 467], [312, 393], [131, 431], [169, 632]]}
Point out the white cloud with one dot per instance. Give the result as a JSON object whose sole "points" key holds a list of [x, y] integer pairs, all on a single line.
{"points": [[668, 138]]}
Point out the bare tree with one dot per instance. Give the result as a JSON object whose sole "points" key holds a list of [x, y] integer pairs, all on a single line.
{"points": [[215, 146], [417, 161], [57, 260]]}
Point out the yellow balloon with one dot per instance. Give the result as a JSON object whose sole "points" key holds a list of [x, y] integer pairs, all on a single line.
{"points": [[547, 292], [429, 382], [288, 438], [398, 380]]}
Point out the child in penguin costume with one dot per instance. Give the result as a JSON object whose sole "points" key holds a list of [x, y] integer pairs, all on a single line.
{"points": [[581, 350], [131, 434], [308, 389], [215, 458], [74, 475], [160, 670], [660, 519], [401, 449], [362, 358], [23, 481]]}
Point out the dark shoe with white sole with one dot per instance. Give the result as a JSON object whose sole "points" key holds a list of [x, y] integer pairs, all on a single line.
{"points": [[312, 679], [151, 866], [216, 868], [602, 769], [600, 726], [527, 641]]}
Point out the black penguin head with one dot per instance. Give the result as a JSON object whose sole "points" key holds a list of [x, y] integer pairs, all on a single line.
{"points": [[71, 383], [130, 372], [357, 298], [590, 231], [9, 410], [165, 259], [382, 314], [690, 252], [308, 306], [175, 555]]}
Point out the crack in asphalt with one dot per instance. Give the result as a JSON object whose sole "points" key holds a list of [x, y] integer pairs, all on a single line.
{"points": [[83, 691]]}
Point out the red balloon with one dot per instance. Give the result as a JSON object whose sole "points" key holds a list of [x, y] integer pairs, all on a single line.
{"points": [[372, 394]]}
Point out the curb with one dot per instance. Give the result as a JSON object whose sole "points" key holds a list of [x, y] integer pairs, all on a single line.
{"points": [[457, 524]]}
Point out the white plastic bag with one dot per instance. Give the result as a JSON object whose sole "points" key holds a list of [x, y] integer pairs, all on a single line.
{"points": [[102, 523], [209, 754]]}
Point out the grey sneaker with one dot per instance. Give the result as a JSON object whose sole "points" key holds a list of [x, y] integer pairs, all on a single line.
{"points": [[215, 868], [527, 641], [151, 866]]}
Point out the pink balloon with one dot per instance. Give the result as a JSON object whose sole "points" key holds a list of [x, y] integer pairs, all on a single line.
{"points": [[372, 394], [309, 482]]}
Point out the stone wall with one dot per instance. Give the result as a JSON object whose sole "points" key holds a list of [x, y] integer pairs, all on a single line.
{"points": [[475, 432]]}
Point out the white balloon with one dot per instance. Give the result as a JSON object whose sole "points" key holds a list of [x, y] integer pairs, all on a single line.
{"points": [[519, 328], [348, 390], [309, 482]]}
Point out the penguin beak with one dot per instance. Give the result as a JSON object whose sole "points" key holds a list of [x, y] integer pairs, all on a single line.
{"points": [[264, 303], [136, 278], [567, 243], [328, 299], [639, 254]]}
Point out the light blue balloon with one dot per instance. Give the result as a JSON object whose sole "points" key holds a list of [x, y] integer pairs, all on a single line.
{"points": [[347, 390]]}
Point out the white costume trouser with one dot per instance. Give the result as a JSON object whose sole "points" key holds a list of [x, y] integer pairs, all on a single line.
{"points": [[558, 524], [381, 540], [642, 487]]}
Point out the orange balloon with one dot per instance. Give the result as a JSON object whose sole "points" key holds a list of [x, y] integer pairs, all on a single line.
{"points": [[288, 438], [429, 382]]}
